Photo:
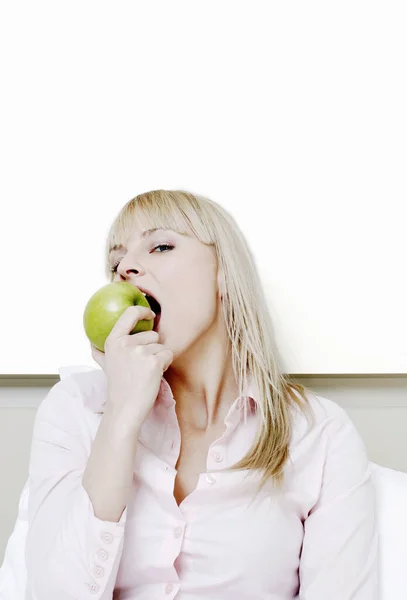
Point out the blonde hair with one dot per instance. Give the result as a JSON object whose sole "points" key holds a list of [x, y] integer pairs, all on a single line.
{"points": [[245, 313]]}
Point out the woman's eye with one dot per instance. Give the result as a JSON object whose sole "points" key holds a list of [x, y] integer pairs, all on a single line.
{"points": [[163, 246], [168, 246]]}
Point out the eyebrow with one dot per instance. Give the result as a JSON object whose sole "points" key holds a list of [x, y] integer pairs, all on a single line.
{"points": [[144, 234]]}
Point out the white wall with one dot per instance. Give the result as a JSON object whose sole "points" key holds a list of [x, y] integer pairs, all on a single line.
{"points": [[291, 117]]}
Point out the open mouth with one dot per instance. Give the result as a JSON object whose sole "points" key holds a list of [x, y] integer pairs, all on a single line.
{"points": [[155, 307]]}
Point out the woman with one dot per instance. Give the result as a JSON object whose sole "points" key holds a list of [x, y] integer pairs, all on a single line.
{"points": [[220, 480]]}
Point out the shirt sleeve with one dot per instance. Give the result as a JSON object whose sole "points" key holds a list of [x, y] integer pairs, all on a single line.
{"points": [[339, 558], [70, 554]]}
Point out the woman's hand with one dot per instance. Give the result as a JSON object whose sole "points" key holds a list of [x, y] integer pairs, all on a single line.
{"points": [[134, 365]]}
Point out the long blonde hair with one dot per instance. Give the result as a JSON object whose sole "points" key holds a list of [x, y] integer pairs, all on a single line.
{"points": [[245, 312]]}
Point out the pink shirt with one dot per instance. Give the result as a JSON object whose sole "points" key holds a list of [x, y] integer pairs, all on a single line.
{"points": [[318, 542]]}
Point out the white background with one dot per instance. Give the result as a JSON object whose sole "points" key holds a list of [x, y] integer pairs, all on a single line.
{"points": [[290, 115]]}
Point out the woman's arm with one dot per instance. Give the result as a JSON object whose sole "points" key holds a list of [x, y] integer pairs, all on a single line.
{"points": [[108, 476], [339, 558], [76, 521]]}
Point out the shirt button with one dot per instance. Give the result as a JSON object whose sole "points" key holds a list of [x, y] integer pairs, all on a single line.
{"points": [[172, 445], [210, 478], [107, 537], [98, 571], [168, 588], [93, 588], [102, 554], [218, 457], [178, 532]]}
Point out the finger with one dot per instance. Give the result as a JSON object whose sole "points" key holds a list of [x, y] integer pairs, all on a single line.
{"points": [[143, 337], [151, 347], [128, 319]]}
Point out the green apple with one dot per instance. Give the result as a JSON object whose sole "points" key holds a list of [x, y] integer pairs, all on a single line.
{"points": [[105, 307]]}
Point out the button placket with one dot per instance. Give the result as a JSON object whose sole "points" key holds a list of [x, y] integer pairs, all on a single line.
{"points": [[107, 538], [98, 571]]}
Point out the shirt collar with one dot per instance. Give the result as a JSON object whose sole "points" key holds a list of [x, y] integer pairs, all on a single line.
{"points": [[165, 398], [164, 408], [95, 398]]}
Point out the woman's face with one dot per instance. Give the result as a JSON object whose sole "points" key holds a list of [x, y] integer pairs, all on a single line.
{"points": [[180, 272]]}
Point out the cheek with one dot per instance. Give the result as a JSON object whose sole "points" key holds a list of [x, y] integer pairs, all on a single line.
{"points": [[191, 293], [194, 306]]}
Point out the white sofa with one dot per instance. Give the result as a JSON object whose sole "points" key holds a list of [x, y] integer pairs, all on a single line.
{"points": [[391, 490], [13, 572]]}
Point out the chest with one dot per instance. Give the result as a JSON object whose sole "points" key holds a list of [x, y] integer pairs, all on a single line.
{"points": [[192, 460]]}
